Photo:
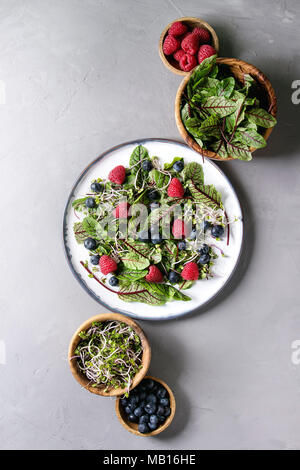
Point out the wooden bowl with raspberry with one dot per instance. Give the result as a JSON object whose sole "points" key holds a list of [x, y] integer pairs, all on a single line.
{"points": [[185, 42]]}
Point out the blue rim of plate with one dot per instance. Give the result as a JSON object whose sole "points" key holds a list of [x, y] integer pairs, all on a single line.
{"points": [[69, 256]]}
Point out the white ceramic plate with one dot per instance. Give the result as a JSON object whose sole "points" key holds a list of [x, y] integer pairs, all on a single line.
{"points": [[204, 290]]}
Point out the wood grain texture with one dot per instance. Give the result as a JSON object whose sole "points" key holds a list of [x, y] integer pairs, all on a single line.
{"points": [[133, 427], [84, 382], [191, 22], [238, 69]]}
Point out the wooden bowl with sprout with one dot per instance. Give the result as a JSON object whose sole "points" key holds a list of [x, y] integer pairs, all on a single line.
{"points": [[99, 364], [191, 22], [133, 427]]}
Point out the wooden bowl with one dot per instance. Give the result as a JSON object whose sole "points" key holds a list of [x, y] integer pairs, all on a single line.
{"points": [[191, 23], [133, 427], [238, 68], [146, 358]]}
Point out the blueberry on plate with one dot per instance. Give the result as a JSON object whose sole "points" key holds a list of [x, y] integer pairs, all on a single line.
{"points": [[143, 428], [90, 243], [144, 236], [178, 166], [181, 245], [164, 401], [144, 419], [204, 250], [94, 259], [153, 195], [147, 165], [154, 419], [90, 202], [150, 408], [151, 398], [138, 411], [206, 225], [160, 410], [132, 417], [156, 238], [204, 259], [217, 231], [173, 277], [96, 187], [167, 411], [114, 281]]}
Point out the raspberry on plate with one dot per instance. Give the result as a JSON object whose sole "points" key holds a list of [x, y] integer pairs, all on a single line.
{"points": [[187, 62], [170, 45], [175, 188], [107, 264], [190, 272], [202, 34], [190, 44], [117, 174], [178, 54], [205, 51], [154, 274], [177, 29]]}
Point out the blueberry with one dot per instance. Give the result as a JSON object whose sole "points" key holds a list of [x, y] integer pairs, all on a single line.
{"points": [[162, 418], [138, 411], [160, 410], [96, 187], [153, 195], [206, 225], [204, 259], [173, 277], [181, 245], [178, 166], [167, 411], [114, 281], [152, 427], [154, 205], [150, 408], [156, 238], [95, 259], [164, 401], [90, 243], [132, 418], [151, 398], [133, 400], [147, 165], [162, 392], [204, 250], [128, 410], [144, 236], [142, 396], [193, 234], [144, 419], [149, 384], [124, 402], [143, 428], [142, 403], [154, 419], [90, 202], [217, 231]]}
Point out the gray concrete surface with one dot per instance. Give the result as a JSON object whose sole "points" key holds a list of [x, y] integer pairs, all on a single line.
{"points": [[80, 77]]}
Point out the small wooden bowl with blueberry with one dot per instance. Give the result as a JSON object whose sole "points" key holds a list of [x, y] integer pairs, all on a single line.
{"points": [[149, 409]]}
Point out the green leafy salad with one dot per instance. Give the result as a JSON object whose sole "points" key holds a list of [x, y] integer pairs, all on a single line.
{"points": [[222, 114], [151, 230]]}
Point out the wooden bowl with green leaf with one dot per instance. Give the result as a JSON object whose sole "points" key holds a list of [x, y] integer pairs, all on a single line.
{"points": [[225, 109], [109, 354]]}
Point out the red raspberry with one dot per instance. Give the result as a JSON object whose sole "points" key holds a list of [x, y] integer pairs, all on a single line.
{"points": [[175, 188], [117, 174], [121, 211], [177, 29], [170, 45], [187, 62], [190, 44], [178, 54], [107, 264], [205, 51], [179, 229], [202, 34], [190, 272], [154, 274]]}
